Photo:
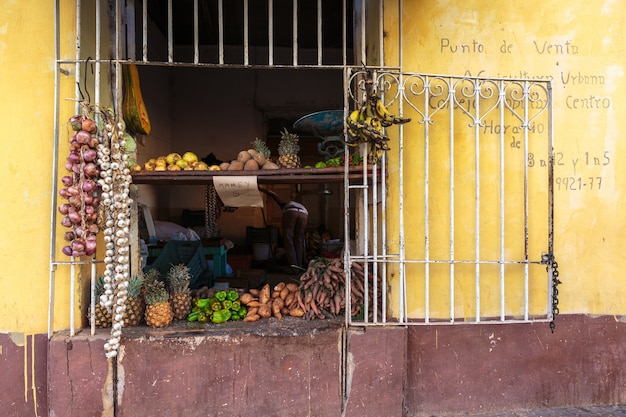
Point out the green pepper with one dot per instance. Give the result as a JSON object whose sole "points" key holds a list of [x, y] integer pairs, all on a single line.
{"points": [[216, 305], [203, 302], [202, 318], [234, 316], [243, 311], [220, 295], [236, 305], [221, 316], [227, 304], [193, 316], [232, 295]]}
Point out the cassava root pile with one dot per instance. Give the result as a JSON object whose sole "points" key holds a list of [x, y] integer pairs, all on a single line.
{"points": [[323, 289]]}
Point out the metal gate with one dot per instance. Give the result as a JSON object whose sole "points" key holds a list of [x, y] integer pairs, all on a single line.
{"points": [[425, 261], [456, 222]]}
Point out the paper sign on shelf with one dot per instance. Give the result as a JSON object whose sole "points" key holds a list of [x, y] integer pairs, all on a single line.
{"points": [[238, 191]]}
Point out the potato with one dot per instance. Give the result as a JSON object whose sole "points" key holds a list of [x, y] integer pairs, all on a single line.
{"points": [[245, 298], [264, 296], [291, 297], [224, 166], [265, 311], [253, 317]]}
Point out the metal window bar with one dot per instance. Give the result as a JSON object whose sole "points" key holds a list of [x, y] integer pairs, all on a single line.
{"points": [[472, 104]]}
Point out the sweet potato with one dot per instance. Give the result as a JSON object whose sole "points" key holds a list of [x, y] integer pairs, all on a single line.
{"points": [[290, 298], [283, 293], [264, 296], [279, 286], [296, 312], [291, 286], [265, 311], [253, 317], [245, 298], [255, 292]]}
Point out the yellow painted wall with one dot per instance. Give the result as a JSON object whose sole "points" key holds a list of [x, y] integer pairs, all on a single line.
{"points": [[27, 108], [580, 46]]}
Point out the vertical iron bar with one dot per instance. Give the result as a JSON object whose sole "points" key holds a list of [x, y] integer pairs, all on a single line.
{"points": [[526, 128], [344, 30], [170, 33], [55, 173], [347, 73], [477, 194], [98, 55], [196, 48], [78, 77], [270, 31], [294, 40], [362, 34], [220, 24], [550, 199], [245, 33], [320, 42], [381, 32], [426, 203], [92, 302], [502, 98], [451, 93], [144, 19]]}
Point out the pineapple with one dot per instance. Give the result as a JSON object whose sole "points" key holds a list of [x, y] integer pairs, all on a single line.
{"points": [[288, 149], [102, 315], [135, 304], [158, 311], [263, 154], [178, 279]]}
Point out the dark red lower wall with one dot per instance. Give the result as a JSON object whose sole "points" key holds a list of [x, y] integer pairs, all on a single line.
{"points": [[480, 368], [298, 370]]}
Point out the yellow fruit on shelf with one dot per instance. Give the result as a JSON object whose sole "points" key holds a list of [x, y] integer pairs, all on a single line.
{"points": [[172, 158], [215, 168], [181, 163], [149, 166], [173, 168], [190, 157], [160, 168]]}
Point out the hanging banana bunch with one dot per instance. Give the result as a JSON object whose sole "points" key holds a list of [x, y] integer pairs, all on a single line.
{"points": [[366, 125]]}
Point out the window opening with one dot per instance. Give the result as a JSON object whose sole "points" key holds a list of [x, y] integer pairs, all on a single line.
{"points": [[470, 144]]}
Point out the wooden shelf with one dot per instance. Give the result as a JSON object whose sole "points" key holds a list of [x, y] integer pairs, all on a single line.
{"points": [[269, 176]]}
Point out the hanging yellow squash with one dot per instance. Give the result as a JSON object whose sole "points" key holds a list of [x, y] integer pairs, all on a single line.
{"points": [[133, 108]]}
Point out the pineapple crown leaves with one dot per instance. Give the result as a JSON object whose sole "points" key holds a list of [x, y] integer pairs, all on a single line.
{"points": [[178, 278], [288, 143], [156, 293], [135, 284], [261, 147], [151, 276]]}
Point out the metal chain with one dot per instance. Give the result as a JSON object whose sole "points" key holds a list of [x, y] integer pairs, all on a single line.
{"points": [[551, 263]]}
